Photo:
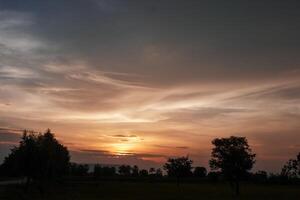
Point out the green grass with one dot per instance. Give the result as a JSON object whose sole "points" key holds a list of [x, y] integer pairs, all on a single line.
{"points": [[153, 191]]}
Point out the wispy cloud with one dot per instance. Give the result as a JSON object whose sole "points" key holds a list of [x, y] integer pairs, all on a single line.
{"points": [[13, 31], [16, 73], [124, 136]]}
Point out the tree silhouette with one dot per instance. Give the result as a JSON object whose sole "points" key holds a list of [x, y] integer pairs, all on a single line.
{"points": [[125, 170], [292, 168], [200, 172], [179, 167], [78, 169], [38, 157], [104, 171], [135, 171], [260, 176], [143, 172], [233, 157], [158, 173], [152, 171]]}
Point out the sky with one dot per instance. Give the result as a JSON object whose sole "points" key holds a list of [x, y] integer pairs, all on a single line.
{"points": [[136, 82]]}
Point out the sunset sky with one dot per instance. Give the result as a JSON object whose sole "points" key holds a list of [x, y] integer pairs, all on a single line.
{"points": [[136, 82]]}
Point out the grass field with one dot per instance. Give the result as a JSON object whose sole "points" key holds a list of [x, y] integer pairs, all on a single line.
{"points": [[153, 191]]}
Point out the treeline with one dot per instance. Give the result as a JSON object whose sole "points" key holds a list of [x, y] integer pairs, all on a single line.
{"points": [[193, 174], [99, 170], [113, 171], [41, 158]]}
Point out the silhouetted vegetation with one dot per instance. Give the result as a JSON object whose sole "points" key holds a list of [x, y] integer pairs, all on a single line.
{"points": [[200, 172], [233, 157], [260, 176], [41, 158], [38, 157], [78, 169], [125, 170], [135, 171], [179, 167], [158, 173], [291, 169], [143, 173], [104, 171]]}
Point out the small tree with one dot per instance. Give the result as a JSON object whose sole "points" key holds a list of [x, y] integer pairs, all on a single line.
{"points": [[152, 171], [135, 171], [125, 170], [200, 172], [233, 157], [292, 168], [143, 173], [158, 173], [179, 167]]}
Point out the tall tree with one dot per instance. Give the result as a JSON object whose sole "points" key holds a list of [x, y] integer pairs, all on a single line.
{"points": [[233, 157], [38, 157]]}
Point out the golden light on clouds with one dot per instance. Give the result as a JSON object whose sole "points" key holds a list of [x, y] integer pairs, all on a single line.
{"points": [[123, 148]]}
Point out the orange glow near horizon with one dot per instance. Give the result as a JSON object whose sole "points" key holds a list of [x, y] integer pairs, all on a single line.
{"points": [[171, 126]]}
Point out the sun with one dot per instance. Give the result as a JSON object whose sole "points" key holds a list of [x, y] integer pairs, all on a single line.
{"points": [[123, 148]]}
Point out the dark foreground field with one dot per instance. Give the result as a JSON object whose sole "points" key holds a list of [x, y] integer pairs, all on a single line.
{"points": [[153, 191]]}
